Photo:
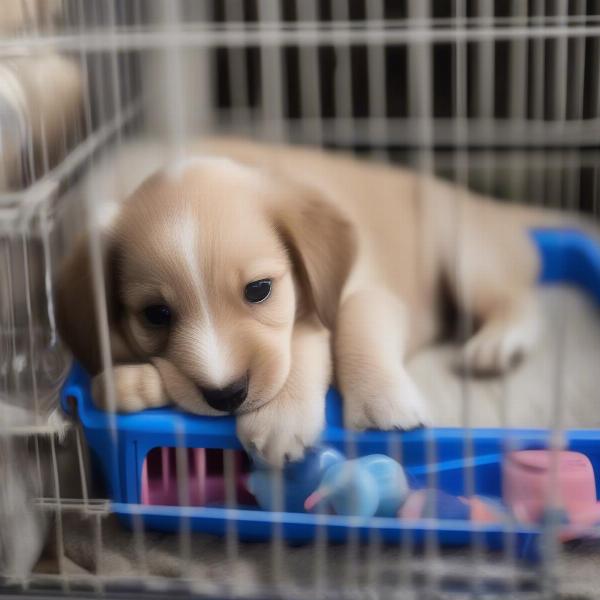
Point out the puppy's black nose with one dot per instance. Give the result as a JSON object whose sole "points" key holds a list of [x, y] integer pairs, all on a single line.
{"points": [[227, 399]]}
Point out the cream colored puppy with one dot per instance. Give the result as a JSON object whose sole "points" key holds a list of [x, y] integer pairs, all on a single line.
{"points": [[227, 272]]}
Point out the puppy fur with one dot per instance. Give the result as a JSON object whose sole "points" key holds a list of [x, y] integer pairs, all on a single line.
{"points": [[359, 255]]}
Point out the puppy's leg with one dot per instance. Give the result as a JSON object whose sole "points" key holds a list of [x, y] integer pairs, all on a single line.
{"points": [[292, 421], [492, 274], [507, 333], [137, 387], [369, 350]]}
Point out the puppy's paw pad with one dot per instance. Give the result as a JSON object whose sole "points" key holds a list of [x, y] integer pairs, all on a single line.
{"points": [[136, 387], [397, 406], [277, 434], [276, 446]]}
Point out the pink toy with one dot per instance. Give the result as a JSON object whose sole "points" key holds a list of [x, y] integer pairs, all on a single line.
{"points": [[526, 480], [527, 476], [205, 481]]}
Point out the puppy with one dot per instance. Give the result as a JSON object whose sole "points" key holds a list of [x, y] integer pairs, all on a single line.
{"points": [[232, 278]]}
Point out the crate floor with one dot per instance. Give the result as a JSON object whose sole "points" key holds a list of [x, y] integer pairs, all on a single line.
{"points": [[257, 566]]}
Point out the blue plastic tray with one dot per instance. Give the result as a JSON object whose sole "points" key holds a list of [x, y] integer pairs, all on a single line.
{"points": [[463, 460]]}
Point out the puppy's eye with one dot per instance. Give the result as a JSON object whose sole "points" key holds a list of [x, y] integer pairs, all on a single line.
{"points": [[157, 315], [258, 291]]}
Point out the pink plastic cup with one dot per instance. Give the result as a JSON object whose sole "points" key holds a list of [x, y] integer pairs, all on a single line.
{"points": [[527, 475]]}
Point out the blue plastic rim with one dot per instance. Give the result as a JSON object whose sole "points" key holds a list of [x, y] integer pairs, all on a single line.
{"points": [[465, 459]]}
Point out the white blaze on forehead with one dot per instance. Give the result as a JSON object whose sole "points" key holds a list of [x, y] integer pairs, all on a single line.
{"points": [[177, 169], [185, 239], [212, 357]]}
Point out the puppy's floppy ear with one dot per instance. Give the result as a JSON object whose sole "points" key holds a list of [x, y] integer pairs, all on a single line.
{"points": [[77, 302], [322, 244]]}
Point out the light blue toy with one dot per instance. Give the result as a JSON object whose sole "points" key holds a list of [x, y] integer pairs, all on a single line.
{"points": [[373, 485], [298, 479]]}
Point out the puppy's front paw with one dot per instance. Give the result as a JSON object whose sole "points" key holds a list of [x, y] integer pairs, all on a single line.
{"points": [[282, 429], [136, 387], [390, 403]]}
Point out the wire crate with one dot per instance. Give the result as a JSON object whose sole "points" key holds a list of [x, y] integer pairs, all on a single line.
{"points": [[502, 97]]}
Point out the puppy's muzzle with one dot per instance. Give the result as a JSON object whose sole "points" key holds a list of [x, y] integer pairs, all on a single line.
{"points": [[227, 399]]}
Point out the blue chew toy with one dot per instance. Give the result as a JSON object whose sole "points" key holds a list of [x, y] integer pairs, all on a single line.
{"points": [[299, 479], [373, 485]]}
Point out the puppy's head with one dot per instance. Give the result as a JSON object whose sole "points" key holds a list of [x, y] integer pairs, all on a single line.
{"points": [[207, 267]]}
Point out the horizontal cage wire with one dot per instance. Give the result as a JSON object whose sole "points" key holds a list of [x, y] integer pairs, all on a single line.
{"points": [[500, 98]]}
